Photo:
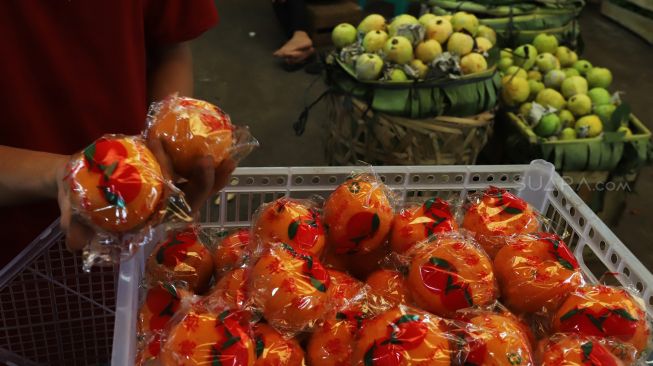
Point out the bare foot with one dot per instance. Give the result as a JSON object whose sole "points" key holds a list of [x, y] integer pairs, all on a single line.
{"points": [[299, 43], [299, 56]]}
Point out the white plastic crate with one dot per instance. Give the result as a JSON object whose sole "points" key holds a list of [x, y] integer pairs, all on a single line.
{"points": [[51, 313]]}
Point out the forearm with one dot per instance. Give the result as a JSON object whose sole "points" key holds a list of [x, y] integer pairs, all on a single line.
{"points": [[27, 175], [171, 71]]}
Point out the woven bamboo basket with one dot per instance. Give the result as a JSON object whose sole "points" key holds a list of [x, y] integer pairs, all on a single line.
{"points": [[358, 133]]}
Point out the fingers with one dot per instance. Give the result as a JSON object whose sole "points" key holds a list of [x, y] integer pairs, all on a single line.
{"points": [[78, 235], [156, 147], [222, 174]]}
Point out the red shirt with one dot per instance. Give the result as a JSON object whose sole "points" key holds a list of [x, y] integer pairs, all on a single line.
{"points": [[73, 70]]}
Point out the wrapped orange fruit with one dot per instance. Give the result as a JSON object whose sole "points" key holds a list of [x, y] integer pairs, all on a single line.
{"points": [[536, 271], [294, 222], [496, 214], [451, 273], [577, 350], [416, 223], [604, 311], [392, 285], [358, 215], [115, 183], [230, 291], [273, 349], [232, 251], [343, 287], [182, 257], [332, 342]]}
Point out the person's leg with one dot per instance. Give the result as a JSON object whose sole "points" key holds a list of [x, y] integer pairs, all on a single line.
{"points": [[293, 16]]}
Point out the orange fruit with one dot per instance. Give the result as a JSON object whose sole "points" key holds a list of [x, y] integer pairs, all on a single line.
{"points": [[188, 129], [182, 257], [449, 274], [115, 183], [230, 291], [272, 349], [402, 336], [231, 252], [294, 222], [495, 340], [416, 223], [391, 285], [343, 287], [498, 214], [576, 350], [208, 339], [332, 343], [604, 311], [358, 216], [535, 272], [290, 287], [360, 266]]}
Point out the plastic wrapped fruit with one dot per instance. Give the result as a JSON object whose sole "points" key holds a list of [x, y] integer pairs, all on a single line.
{"points": [[273, 349], [496, 214], [230, 291], [290, 221], [343, 288], [402, 336], [290, 287], [231, 252], [182, 257], [536, 271], [358, 215], [162, 301], [495, 340], [576, 350], [450, 273], [205, 339], [359, 266], [332, 343], [188, 129], [416, 223], [391, 285], [604, 311], [115, 183]]}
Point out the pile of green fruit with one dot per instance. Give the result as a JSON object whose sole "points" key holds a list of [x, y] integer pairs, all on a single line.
{"points": [[414, 49], [559, 95]]}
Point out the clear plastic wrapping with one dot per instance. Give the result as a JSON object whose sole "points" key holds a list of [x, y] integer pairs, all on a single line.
{"points": [[392, 285], [273, 349], [578, 350], [190, 128], [536, 272], [230, 290], [358, 215], [232, 251], [494, 214]]}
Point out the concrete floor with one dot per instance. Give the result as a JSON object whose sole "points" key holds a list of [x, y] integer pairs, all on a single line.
{"points": [[234, 68]]}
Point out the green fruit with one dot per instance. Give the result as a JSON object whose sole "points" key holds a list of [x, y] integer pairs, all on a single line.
{"points": [[525, 110], [368, 66], [398, 50], [524, 56], [599, 96], [462, 20], [504, 63], [535, 75], [343, 35], [599, 77], [567, 118], [505, 53], [374, 40], [580, 105], [550, 98], [568, 133], [398, 75], [427, 18], [548, 125], [566, 56], [583, 66], [372, 22], [625, 130], [515, 90], [400, 21], [573, 85], [546, 62], [604, 112], [487, 33], [473, 63], [554, 78], [570, 71], [545, 43], [421, 69], [516, 71], [589, 126], [535, 87], [428, 50], [460, 44], [440, 30], [483, 44]]}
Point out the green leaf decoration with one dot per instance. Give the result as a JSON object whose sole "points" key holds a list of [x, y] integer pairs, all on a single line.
{"points": [[407, 318], [341, 316], [292, 229], [108, 171], [289, 248], [223, 315], [624, 314], [112, 198], [318, 285], [512, 210], [369, 356], [215, 356], [230, 342], [565, 263], [89, 154], [571, 313], [468, 297], [260, 346], [170, 288], [376, 222], [429, 203], [598, 322], [587, 350], [440, 263], [160, 254], [514, 358], [167, 311]]}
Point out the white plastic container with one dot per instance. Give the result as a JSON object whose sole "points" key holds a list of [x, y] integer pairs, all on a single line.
{"points": [[597, 249]]}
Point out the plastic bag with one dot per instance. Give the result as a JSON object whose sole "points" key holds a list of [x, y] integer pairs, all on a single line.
{"points": [[495, 214], [232, 251], [182, 256], [605, 311], [230, 290], [536, 271], [392, 285], [116, 186], [450, 272], [273, 349], [190, 128], [358, 215], [578, 350], [417, 221], [360, 266], [291, 221]]}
